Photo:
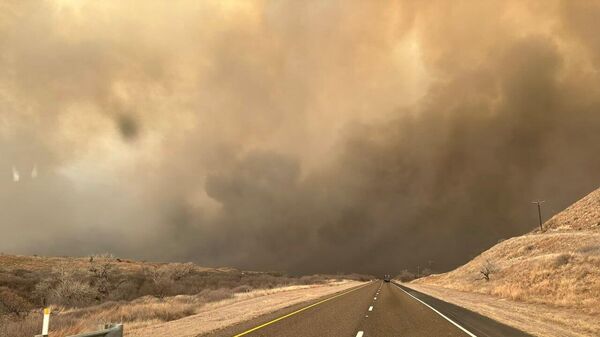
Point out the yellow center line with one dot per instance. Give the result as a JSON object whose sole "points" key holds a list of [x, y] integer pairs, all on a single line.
{"points": [[299, 311]]}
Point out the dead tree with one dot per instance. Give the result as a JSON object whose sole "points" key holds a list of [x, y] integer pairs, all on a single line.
{"points": [[104, 278], [487, 269]]}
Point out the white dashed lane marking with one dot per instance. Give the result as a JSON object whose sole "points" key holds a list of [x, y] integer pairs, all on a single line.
{"points": [[371, 308], [359, 334]]}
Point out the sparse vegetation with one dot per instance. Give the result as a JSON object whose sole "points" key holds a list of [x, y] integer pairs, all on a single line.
{"points": [[425, 272], [559, 268], [103, 288], [12, 303], [405, 276]]}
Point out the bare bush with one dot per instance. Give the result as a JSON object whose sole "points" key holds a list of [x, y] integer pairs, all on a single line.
{"points": [[487, 269], [561, 260], [104, 278], [162, 279], [406, 276], [100, 278], [216, 295], [71, 289], [127, 290], [102, 256], [73, 292], [180, 270], [425, 272], [356, 277], [42, 290], [313, 279], [12, 303], [242, 289]]}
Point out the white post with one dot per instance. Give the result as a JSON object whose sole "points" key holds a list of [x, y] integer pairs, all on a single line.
{"points": [[46, 322]]}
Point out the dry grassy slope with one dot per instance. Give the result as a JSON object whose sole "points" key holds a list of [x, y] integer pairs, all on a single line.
{"points": [[560, 267], [46, 263], [582, 215]]}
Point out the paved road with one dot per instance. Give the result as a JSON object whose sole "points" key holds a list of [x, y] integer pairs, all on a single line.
{"points": [[376, 309]]}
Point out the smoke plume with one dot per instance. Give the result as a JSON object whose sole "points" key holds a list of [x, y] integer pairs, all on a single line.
{"points": [[304, 136]]}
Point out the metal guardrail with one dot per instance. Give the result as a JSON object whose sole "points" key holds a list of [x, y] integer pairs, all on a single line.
{"points": [[109, 330]]}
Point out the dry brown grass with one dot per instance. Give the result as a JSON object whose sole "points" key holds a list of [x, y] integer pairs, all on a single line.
{"points": [[145, 310], [81, 282], [537, 319], [86, 292], [138, 313], [582, 215], [558, 268], [243, 306], [47, 263]]}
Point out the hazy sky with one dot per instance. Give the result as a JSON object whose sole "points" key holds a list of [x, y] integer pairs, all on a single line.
{"points": [[305, 136]]}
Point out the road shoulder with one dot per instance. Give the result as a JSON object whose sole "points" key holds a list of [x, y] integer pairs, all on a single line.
{"points": [[536, 319], [220, 315]]}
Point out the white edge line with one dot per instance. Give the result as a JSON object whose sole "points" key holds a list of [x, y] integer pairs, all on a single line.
{"points": [[439, 313], [359, 334]]}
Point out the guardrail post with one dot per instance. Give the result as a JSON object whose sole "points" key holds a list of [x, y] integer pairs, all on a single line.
{"points": [[45, 323]]}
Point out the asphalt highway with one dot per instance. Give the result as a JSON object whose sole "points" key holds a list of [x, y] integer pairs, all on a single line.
{"points": [[377, 309]]}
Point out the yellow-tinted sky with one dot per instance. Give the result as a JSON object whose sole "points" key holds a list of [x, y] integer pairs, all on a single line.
{"points": [[317, 130]]}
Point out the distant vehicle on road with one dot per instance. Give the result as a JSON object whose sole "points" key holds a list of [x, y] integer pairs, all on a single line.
{"points": [[387, 278]]}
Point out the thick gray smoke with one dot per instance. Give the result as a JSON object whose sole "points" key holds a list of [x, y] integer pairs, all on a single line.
{"points": [[299, 136]]}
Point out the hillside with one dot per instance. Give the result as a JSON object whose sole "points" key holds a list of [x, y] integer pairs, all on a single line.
{"points": [[48, 263], [83, 290], [82, 281], [558, 268], [582, 215]]}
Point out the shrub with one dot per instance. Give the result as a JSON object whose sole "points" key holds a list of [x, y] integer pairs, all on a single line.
{"points": [[561, 259], [161, 279], [68, 287], [313, 279], [12, 303], [487, 269], [242, 289], [406, 276], [105, 256], [216, 295], [72, 292], [101, 275]]}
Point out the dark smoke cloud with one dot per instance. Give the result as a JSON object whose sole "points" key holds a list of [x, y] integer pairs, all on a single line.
{"points": [[128, 127], [298, 136]]}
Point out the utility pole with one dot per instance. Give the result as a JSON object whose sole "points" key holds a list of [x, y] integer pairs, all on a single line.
{"points": [[539, 207]]}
